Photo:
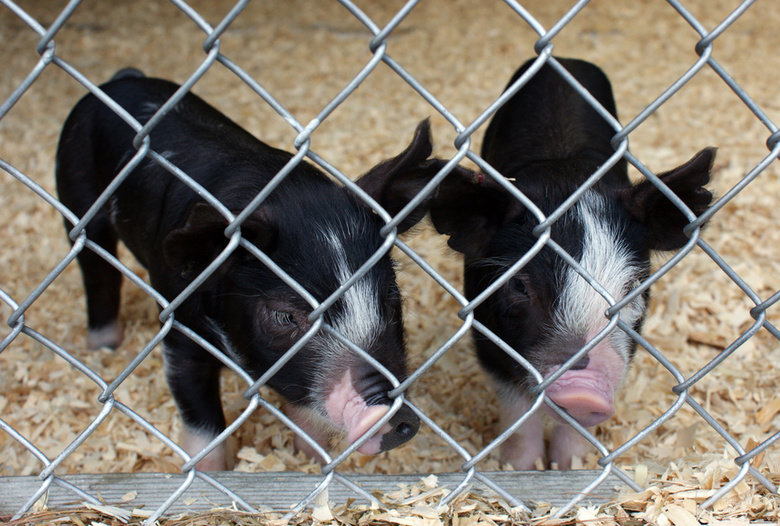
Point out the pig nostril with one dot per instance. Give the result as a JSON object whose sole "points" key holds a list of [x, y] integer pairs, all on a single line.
{"points": [[373, 387], [405, 429], [580, 365]]}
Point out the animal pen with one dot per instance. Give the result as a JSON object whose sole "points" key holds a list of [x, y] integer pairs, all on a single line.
{"points": [[694, 436]]}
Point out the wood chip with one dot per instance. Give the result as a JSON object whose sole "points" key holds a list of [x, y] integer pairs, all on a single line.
{"points": [[680, 516]]}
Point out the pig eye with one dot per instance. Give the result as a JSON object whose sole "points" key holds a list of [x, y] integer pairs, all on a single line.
{"points": [[283, 318], [519, 286]]}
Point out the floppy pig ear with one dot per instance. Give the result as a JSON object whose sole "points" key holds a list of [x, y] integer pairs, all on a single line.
{"points": [[469, 208], [192, 247], [395, 182], [664, 221]]}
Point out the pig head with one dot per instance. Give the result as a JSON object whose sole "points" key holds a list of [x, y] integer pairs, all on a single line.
{"points": [[319, 233], [547, 140]]}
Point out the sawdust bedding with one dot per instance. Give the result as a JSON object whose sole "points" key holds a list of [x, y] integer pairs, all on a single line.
{"points": [[462, 52]]}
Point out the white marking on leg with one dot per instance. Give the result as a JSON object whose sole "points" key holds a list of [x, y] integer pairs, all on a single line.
{"points": [[566, 443], [110, 336], [525, 447], [194, 441]]}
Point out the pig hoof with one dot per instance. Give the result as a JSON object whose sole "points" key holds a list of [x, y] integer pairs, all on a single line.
{"points": [[106, 336], [404, 425]]}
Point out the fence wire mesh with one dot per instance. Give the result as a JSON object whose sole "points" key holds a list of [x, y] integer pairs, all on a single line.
{"points": [[229, 37]]}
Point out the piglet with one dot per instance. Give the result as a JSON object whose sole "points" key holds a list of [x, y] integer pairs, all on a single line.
{"points": [[318, 232], [547, 140]]}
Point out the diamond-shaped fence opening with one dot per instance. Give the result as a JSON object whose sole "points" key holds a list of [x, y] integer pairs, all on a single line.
{"points": [[341, 86]]}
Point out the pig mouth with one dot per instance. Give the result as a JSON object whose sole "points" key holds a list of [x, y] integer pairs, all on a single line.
{"points": [[586, 395], [355, 413]]}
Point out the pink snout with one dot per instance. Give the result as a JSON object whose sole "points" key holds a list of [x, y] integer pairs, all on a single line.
{"points": [[368, 418], [348, 410], [586, 395]]}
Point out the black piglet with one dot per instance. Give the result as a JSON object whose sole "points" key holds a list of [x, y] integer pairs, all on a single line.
{"points": [[548, 140], [318, 232]]}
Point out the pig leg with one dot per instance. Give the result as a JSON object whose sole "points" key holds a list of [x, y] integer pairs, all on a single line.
{"points": [[219, 459], [526, 445], [565, 443], [102, 284], [78, 185], [193, 377]]}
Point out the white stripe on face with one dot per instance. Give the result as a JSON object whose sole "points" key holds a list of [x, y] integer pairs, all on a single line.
{"points": [[360, 321], [605, 256]]}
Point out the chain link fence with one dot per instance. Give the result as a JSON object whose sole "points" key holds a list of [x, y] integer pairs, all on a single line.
{"points": [[379, 41]]}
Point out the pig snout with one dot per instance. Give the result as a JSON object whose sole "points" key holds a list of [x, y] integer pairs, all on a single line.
{"points": [[401, 427], [584, 395], [356, 410], [586, 391]]}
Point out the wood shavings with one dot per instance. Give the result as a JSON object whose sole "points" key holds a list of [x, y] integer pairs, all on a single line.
{"points": [[321, 510], [640, 474], [695, 312], [111, 511], [678, 516], [129, 496]]}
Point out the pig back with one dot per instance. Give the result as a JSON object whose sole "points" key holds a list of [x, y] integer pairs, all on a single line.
{"points": [[547, 120], [199, 140]]}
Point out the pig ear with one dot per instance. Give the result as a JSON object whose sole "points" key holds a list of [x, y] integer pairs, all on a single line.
{"points": [[469, 208], [395, 182], [664, 221], [192, 247]]}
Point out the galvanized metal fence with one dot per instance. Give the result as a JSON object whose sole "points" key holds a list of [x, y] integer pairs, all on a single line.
{"points": [[378, 46]]}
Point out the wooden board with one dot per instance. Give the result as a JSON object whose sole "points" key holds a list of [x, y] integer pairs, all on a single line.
{"points": [[280, 491]]}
